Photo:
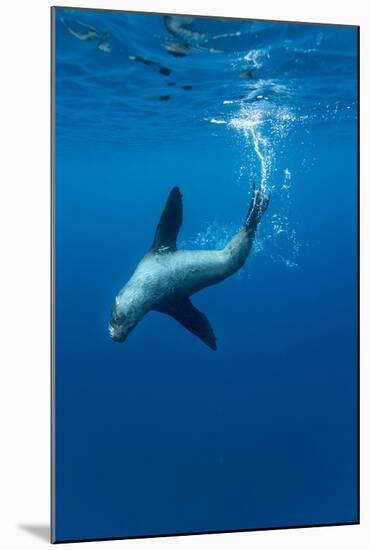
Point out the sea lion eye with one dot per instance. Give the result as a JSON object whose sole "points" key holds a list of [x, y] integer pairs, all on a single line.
{"points": [[116, 318]]}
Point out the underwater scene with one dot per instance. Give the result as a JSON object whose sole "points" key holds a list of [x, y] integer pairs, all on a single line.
{"points": [[206, 257]]}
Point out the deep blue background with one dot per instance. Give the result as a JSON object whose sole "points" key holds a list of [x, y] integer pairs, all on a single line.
{"points": [[160, 434]]}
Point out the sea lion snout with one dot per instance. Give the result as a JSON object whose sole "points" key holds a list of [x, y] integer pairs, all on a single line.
{"points": [[116, 334]]}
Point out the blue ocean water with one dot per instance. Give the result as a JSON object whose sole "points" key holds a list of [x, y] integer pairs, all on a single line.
{"points": [[160, 434]]}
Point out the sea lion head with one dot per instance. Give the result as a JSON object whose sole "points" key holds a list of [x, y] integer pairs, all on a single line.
{"points": [[122, 319]]}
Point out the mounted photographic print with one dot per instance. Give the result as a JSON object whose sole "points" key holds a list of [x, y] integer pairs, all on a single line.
{"points": [[205, 274]]}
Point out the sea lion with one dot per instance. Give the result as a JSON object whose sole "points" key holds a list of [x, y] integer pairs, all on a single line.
{"points": [[166, 277]]}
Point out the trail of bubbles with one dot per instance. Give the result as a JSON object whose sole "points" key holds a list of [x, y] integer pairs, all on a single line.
{"points": [[257, 121], [263, 128], [247, 122], [265, 161]]}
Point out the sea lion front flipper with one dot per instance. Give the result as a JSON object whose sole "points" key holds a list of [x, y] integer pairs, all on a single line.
{"points": [[169, 223], [183, 311]]}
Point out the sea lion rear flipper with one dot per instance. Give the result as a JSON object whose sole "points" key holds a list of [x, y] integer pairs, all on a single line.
{"points": [[170, 222], [183, 311], [259, 204]]}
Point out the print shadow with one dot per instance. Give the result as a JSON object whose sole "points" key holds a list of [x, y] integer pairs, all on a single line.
{"points": [[40, 531]]}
